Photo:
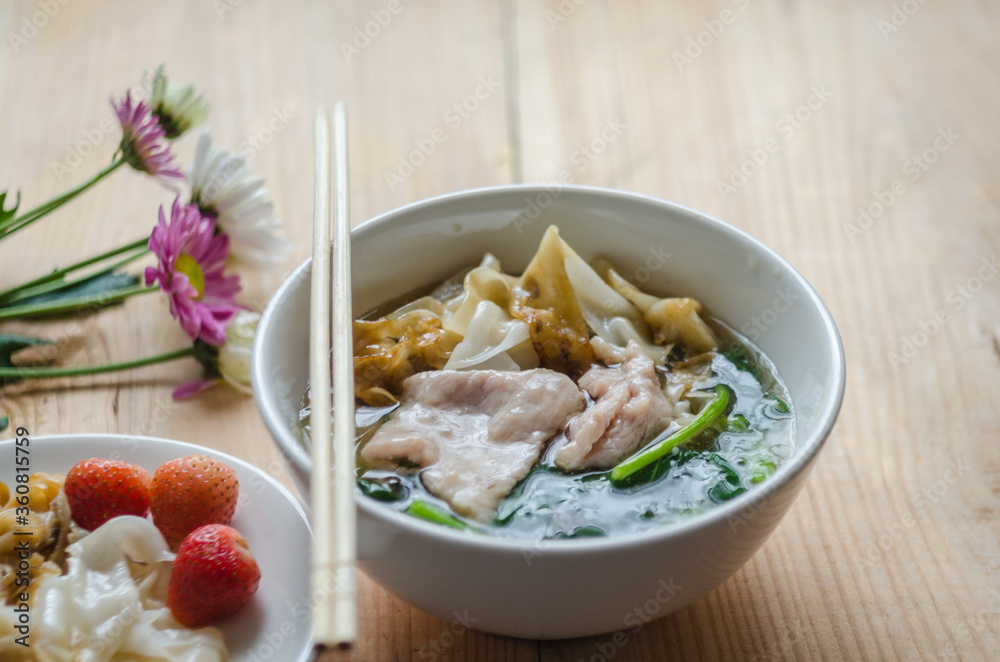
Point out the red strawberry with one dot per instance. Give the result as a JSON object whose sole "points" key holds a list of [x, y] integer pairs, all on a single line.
{"points": [[98, 490], [213, 575], [190, 492]]}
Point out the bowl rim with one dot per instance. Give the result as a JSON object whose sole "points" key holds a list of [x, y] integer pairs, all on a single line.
{"points": [[751, 500]]}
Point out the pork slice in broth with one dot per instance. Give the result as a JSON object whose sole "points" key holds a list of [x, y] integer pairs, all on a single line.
{"points": [[474, 434], [629, 409]]}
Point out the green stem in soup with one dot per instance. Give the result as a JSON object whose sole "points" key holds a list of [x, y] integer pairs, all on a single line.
{"points": [[432, 513], [663, 445]]}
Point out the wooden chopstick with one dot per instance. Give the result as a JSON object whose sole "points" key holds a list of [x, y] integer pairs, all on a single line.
{"points": [[334, 527], [344, 613]]}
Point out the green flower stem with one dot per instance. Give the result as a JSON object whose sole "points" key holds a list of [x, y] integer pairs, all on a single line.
{"points": [[664, 445], [26, 219], [63, 285], [74, 305], [35, 287], [45, 373]]}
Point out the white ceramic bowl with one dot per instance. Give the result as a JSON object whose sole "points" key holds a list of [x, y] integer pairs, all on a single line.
{"points": [[275, 624], [569, 588]]}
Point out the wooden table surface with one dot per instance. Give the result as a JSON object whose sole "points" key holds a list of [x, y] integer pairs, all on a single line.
{"points": [[893, 549]]}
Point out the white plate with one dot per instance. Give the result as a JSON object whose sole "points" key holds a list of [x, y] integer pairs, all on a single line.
{"points": [[275, 625]]}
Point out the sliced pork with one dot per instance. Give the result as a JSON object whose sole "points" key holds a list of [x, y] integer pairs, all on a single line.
{"points": [[629, 409], [473, 435]]}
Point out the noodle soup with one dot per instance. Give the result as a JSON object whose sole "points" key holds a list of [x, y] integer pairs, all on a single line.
{"points": [[561, 403]]}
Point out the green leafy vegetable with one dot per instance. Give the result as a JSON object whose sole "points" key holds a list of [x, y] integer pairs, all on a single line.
{"points": [[588, 531], [741, 358], [384, 489], [730, 485], [432, 513], [738, 423], [10, 345], [777, 408], [664, 444], [763, 469]]}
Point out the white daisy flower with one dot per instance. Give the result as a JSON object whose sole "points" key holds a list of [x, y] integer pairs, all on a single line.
{"points": [[177, 108], [223, 186], [229, 363], [234, 356]]}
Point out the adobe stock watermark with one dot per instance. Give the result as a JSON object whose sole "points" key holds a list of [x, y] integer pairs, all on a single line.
{"points": [[920, 502], [762, 494], [913, 169], [759, 324], [758, 156], [636, 619], [703, 40], [270, 644], [92, 139], [958, 297], [460, 624], [563, 12], [277, 122], [788, 638], [980, 620], [899, 16], [362, 35], [223, 7], [30, 25], [453, 118], [581, 159]]}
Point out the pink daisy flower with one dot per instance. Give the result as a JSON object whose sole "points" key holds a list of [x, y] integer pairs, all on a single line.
{"points": [[143, 145], [192, 259]]}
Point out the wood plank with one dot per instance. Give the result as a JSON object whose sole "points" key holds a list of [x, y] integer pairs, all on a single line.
{"points": [[812, 592], [886, 554], [259, 63]]}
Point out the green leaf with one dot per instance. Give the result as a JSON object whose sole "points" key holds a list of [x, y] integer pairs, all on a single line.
{"points": [[588, 531], [730, 484], [11, 344], [8, 214], [384, 489], [109, 283], [658, 469], [737, 423], [741, 358], [4, 423], [777, 408]]}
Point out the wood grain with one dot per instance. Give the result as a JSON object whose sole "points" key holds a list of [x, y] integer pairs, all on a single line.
{"points": [[893, 549]]}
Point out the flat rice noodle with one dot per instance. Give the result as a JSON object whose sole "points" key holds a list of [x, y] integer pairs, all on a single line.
{"points": [[544, 299], [453, 297], [110, 605], [387, 351], [481, 284], [429, 304], [494, 341], [672, 319]]}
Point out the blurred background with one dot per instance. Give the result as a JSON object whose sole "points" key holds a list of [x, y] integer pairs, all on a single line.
{"points": [[858, 138]]}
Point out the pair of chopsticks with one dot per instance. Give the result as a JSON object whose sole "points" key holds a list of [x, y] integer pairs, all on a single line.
{"points": [[334, 618]]}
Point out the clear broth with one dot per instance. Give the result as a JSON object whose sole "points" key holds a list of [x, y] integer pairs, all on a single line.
{"points": [[727, 459]]}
